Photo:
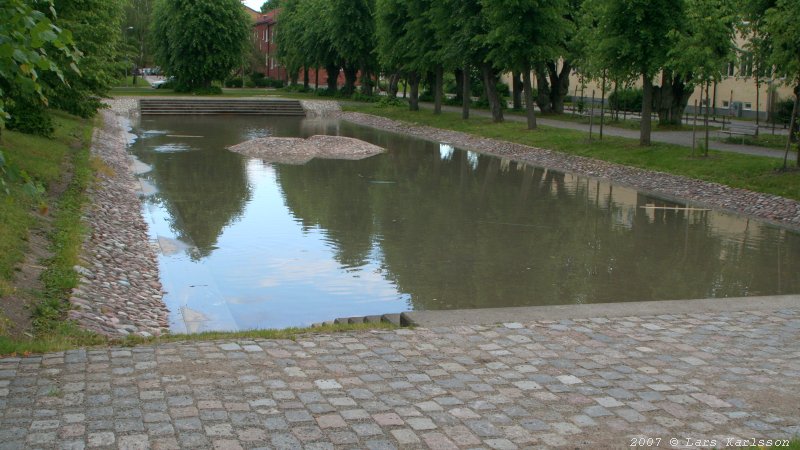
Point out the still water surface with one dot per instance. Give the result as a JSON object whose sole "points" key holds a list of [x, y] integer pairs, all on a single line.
{"points": [[249, 244]]}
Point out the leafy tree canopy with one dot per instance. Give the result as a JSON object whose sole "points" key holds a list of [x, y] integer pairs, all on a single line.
{"points": [[199, 41], [95, 26], [25, 35]]}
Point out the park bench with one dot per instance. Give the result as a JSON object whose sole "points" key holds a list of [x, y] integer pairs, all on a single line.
{"points": [[741, 129]]}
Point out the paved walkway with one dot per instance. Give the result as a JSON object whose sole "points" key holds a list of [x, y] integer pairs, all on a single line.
{"points": [[584, 383], [683, 138]]}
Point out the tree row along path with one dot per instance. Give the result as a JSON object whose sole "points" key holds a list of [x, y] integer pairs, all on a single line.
{"points": [[682, 138]]}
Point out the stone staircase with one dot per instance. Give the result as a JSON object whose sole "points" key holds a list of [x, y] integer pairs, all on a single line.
{"points": [[400, 320], [260, 107]]}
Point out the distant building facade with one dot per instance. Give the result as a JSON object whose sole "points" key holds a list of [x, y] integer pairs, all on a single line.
{"points": [[265, 27], [735, 95]]}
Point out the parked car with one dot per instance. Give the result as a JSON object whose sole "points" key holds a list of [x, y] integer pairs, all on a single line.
{"points": [[160, 83]]}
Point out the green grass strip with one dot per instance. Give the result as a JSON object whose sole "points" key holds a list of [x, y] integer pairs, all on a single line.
{"points": [[755, 173], [67, 336]]}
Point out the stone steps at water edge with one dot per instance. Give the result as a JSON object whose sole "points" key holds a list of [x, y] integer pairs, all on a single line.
{"points": [[222, 106], [400, 320]]}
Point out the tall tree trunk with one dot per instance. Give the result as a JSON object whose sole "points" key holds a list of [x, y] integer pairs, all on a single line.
{"points": [[671, 98], [559, 84], [647, 109], [333, 77], [366, 82], [413, 81], [516, 90], [705, 150], [542, 89], [306, 80], [528, 88], [490, 85], [437, 90], [394, 80], [430, 81], [350, 77], [466, 94], [794, 131], [459, 74], [792, 128]]}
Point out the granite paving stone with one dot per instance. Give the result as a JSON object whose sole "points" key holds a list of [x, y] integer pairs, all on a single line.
{"points": [[448, 387]]}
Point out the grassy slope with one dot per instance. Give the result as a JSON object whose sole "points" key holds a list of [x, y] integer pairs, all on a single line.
{"points": [[742, 171], [41, 159]]}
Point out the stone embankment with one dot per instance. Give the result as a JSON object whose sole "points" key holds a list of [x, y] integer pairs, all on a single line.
{"points": [[285, 150], [321, 108], [771, 208], [119, 291]]}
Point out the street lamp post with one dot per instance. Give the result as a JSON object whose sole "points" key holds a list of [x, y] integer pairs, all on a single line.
{"points": [[128, 62]]}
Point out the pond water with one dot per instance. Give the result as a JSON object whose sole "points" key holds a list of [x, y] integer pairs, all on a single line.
{"points": [[248, 244]]}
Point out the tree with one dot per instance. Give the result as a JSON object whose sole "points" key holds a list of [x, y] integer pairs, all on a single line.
{"points": [[269, 5], [199, 41], [632, 37], [552, 78], [461, 29], [25, 35], [406, 41], [136, 31], [352, 25], [783, 26], [522, 33], [95, 26], [292, 51]]}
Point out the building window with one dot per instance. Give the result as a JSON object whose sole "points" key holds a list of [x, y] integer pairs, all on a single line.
{"points": [[748, 106], [272, 63], [266, 35], [731, 68], [725, 104], [746, 65]]}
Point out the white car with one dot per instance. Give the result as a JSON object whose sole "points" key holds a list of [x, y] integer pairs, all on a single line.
{"points": [[158, 84]]}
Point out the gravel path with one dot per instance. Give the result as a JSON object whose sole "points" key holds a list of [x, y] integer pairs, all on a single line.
{"points": [[120, 291], [576, 384], [771, 208], [682, 138]]}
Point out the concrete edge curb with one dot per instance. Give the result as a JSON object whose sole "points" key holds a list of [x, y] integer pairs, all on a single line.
{"points": [[487, 316]]}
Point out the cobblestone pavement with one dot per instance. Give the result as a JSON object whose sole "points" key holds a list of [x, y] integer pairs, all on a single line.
{"points": [[594, 383]]}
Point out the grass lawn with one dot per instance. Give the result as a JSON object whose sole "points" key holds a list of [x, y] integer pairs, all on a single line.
{"points": [[40, 159], [60, 165], [68, 336], [764, 139], [630, 124], [742, 171]]}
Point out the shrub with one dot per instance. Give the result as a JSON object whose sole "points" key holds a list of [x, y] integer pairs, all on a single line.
{"points": [[29, 115], [391, 101], [234, 83], [783, 110], [626, 100], [359, 97]]}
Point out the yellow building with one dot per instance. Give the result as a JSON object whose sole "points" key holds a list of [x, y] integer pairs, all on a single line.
{"points": [[735, 95]]}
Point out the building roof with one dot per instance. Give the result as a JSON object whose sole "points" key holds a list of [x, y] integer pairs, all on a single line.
{"points": [[269, 18], [254, 15]]}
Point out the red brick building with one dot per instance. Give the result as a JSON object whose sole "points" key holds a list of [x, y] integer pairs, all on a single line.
{"points": [[264, 30]]}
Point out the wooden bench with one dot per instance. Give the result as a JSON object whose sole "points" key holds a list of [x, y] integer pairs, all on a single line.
{"points": [[741, 129]]}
